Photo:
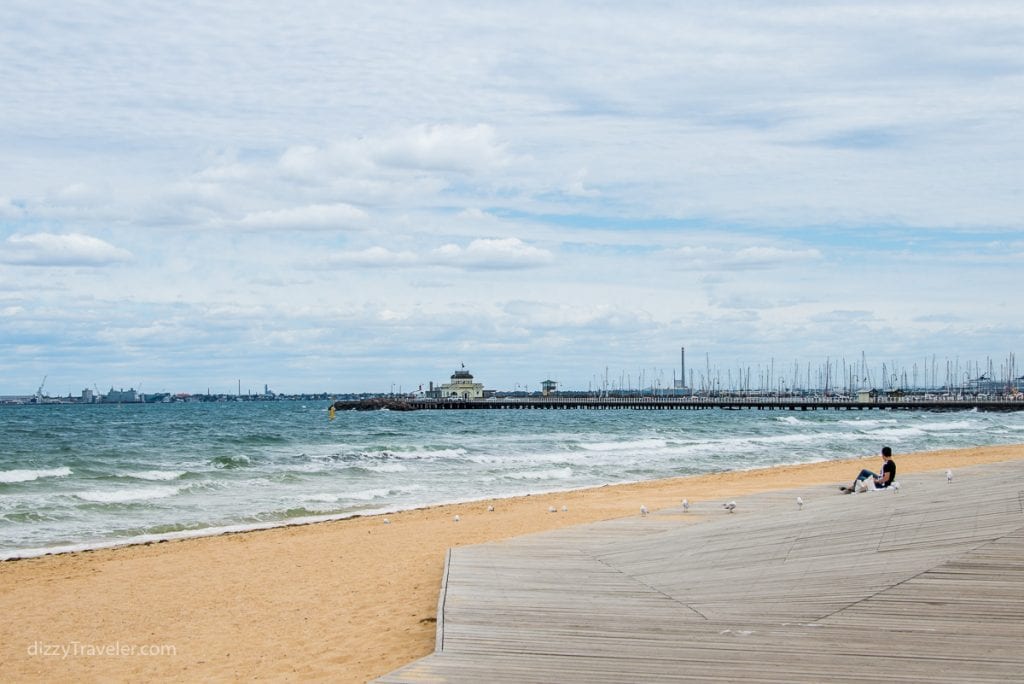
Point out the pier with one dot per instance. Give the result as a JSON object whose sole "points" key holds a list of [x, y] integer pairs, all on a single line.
{"points": [[660, 403]]}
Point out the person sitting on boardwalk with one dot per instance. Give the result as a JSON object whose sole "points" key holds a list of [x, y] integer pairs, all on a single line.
{"points": [[882, 481]]}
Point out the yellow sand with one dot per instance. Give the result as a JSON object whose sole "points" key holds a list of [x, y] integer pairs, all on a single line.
{"points": [[338, 601]]}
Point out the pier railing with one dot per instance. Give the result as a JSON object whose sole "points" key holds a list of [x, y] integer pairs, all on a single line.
{"points": [[649, 403]]}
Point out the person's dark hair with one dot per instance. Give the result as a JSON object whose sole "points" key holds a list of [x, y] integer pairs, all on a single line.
{"points": [[887, 452]]}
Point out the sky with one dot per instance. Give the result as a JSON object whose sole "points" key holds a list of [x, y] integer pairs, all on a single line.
{"points": [[337, 196]]}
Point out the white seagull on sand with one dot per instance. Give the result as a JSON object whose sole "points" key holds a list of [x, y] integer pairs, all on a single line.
{"points": [[686, 505], [800, 503], [551, 509], [490, 509], [456, 519], [731, 506], [386, 521], [643, 510], [949, 476], [565, 509]]}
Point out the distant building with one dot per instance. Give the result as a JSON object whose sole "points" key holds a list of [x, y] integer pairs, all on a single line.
{"points": [[548, 387], [87, 396], [866, 396], [122, 396], [462, 386]]}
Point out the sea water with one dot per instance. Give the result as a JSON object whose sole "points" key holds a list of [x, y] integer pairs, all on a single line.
{"points": [[86, 476]]}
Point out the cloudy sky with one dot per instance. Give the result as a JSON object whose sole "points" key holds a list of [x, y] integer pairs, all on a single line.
{"points": [[332, 196]]}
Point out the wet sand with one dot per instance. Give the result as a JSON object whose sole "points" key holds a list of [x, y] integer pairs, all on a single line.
{"points": [[339, 601]]}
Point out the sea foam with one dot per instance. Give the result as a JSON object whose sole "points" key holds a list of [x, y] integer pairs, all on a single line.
{"points": [[626, 444], [12, 476], [127, 495], [154, 475], [553, 474]]}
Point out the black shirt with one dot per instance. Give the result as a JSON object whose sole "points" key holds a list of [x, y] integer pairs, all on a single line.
{"points": [[888, 467]]}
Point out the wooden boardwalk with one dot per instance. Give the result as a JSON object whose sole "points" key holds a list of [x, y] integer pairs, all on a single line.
{"points": [[922, 585]]}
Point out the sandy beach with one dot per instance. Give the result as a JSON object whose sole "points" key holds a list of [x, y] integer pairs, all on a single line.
{"points": [[339, 601]]}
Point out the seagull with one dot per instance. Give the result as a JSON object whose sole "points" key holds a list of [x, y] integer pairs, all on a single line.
{"points": [[643, 510], [386, 521], [949, 476], [490, 509], [456, 519], [551, 509], [686, 505], [895, 487], [731, 506], [565, 509], [799, 503]]}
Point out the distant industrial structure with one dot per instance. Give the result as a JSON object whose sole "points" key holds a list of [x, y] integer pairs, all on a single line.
{"points": [[133, 396], [680, 384], [836, 379]]}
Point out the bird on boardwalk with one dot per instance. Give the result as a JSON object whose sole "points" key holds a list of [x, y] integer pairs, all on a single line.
{"points": [[731, 506], [799, 503], [551, 509], [686, 505], [949, 476], [643, 510], [490, 509], [456, 519]]}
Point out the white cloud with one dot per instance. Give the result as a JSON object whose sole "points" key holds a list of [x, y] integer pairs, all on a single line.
{"points": [[373, 257], [497, 253], [486, 253], [439, 148], [465, 149], [576, 186], [338, 216], [757, 257], [72, 249]]}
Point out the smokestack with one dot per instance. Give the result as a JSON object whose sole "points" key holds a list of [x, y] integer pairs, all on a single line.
{"points": [[682, 357]]}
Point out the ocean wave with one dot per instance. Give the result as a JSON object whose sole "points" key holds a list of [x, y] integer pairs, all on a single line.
{"points": [[386, 468], [239, 461], [456, 453], [553, 474], [758, 442], [896, 433], [371, 494], [322, 498], [363, 495], [254, 440], [949, 426], [624, 445], [791, 420], [540, 458], [416, 454], [868, 423], [27, 517], [127, 495], [13, 476], [154, 475]]}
